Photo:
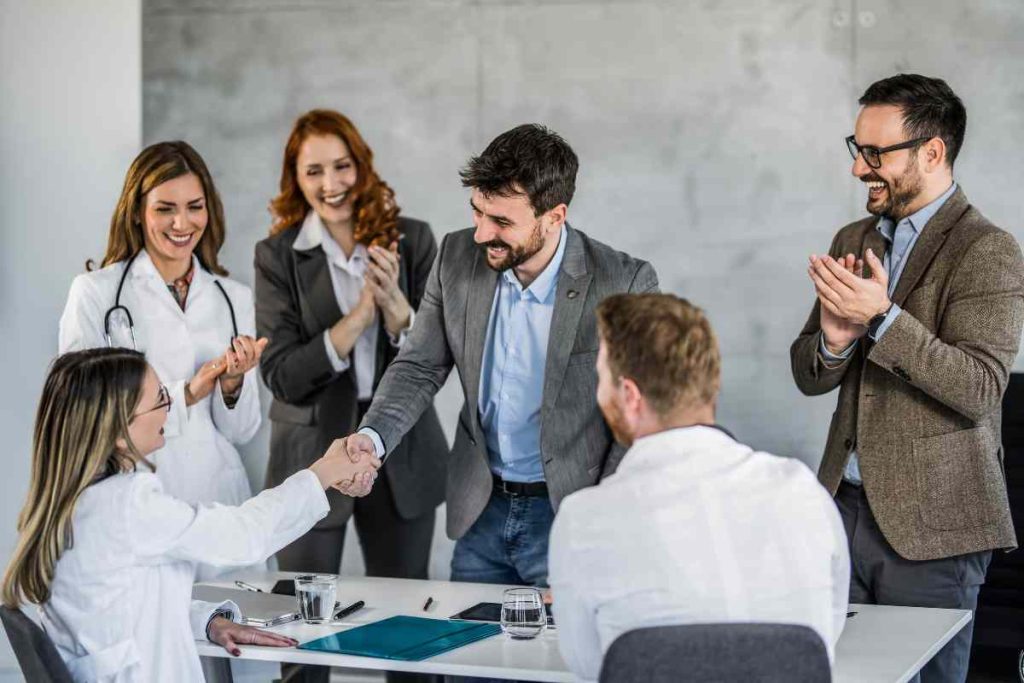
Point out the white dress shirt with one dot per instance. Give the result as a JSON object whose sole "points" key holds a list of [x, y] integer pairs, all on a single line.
{"points": [[348, 273], [695, 528]]}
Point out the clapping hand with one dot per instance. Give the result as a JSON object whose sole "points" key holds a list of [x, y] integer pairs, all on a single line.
{"points": [[848, 300], [243, 356], [382, 280]]}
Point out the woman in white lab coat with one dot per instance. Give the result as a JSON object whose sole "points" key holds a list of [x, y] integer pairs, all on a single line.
{"points": [[162, 291], [109, 556]]}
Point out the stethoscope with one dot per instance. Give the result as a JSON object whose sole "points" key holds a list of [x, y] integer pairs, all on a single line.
{"points": [[128, 314]]}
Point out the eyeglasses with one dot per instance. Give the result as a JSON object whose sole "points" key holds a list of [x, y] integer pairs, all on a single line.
{"points": [[873, 155], [165, 401]]}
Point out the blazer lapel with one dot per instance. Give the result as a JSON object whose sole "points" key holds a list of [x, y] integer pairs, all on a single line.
{"points": [[482, 284], [570, 300], [315, 283], [933, 235]]}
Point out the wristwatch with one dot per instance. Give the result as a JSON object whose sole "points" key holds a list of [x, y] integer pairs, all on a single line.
{"points": [[221, 612], [877, 321]]}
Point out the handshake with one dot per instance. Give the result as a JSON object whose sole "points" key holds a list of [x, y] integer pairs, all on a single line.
{"points": [[350, 465]]}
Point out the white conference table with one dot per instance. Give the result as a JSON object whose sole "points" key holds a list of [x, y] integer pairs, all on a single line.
{"points": [[879, 644]]}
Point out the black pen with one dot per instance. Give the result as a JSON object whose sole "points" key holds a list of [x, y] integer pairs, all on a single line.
{"points": [[248, 587], [348, 611], [428, 603]]}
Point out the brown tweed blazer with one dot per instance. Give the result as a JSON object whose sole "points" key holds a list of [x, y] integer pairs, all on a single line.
{"points": [[923, 404]]}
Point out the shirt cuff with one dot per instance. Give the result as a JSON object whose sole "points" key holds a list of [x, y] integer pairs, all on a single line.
{"points": [[831, 357], [400, 339], [201, 613], [378, 443], [337, 362], [890, 317]]}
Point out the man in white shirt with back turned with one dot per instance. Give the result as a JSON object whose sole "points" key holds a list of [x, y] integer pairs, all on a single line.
{"points": [[694, 527]]}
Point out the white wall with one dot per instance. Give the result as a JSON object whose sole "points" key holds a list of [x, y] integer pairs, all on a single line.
{"points": [[70, 123]]}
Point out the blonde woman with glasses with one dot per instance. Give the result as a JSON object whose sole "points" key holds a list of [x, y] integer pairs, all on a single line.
{"points": [[109, 556]]}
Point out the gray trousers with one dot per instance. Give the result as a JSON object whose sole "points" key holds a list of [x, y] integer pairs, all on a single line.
{"points": [[879, 576]]}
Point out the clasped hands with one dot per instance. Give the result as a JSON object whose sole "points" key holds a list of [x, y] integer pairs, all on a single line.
{"points": [[848, 299], [350, 465]]}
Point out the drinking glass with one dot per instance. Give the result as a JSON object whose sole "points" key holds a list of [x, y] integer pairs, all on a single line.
{"points": [[315, 594], [522, 613]]}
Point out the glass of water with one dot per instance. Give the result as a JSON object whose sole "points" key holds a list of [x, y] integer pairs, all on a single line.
{"points": [[315, 593], [522, 613]]}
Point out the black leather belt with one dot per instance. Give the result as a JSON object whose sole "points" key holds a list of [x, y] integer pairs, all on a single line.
{"points": [[536, 489]]}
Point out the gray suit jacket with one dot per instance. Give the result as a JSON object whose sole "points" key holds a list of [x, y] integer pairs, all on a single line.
{"points": [[923, 405], [313, 405], [450, 330]]}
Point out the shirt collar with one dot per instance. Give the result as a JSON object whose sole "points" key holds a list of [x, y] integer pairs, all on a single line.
{"points": [[887, 226], [676, 442], [543, 286], [313, 234]]}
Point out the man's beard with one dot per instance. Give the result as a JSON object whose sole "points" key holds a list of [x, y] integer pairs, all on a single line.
{"points": [[516, 256], [616, 423], [900, 193]]}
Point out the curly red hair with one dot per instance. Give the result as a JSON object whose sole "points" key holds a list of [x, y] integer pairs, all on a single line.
{"points": [[376, 213]]}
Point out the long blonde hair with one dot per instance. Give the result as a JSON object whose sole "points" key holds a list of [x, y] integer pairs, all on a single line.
{"points": [[87, 402], [154, 166]]}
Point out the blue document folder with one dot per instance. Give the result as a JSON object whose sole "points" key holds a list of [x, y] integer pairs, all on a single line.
{"points": [[404, 638]]}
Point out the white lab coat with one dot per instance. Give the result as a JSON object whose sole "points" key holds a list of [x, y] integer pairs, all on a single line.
{"points": [[198, 464], [119, 607]]}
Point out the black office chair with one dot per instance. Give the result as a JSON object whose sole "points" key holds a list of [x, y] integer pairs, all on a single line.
{"points": [[36, 654], [718, 653]]}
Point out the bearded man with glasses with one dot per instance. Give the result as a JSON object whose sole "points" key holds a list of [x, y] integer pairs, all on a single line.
{"points": [[917, 321]]}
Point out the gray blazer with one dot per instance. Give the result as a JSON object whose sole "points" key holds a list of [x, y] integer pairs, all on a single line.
{"points": [[313, 405], [450, 330], [923, 405]]}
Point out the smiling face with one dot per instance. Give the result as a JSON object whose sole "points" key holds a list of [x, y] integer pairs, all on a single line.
{"points": [[174, 219], [146, 428], [894, 189], [327, 173], [510, 235]]}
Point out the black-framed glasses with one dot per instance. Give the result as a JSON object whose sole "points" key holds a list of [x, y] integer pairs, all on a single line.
{"points": [[164, 401], [873, 155]]}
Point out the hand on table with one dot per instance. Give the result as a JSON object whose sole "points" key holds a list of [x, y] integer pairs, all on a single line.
{"points": [[230, 635]]}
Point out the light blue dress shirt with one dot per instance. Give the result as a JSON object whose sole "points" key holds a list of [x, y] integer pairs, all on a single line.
{"points": [[512, 372], [901, 238]]}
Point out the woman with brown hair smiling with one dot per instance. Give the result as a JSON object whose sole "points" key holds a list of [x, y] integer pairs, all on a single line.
{"points": [[337, 285], [162, 291]]}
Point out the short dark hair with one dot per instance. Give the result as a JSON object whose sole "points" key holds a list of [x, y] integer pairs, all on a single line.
{"points": [[528, 159], [930, 108], [663, 343]]}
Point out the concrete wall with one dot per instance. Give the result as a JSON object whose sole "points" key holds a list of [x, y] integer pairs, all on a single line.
{"points": [[70, 123], [710, 133]]}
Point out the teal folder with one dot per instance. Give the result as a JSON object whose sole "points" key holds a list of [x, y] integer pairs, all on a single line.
{"points": [[404, 638]]}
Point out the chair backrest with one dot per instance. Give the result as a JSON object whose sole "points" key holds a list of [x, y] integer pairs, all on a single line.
{"points": [[712, 653], [38, 658]]}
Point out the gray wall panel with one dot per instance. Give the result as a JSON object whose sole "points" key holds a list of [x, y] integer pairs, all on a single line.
{"points": [[710, 133]]}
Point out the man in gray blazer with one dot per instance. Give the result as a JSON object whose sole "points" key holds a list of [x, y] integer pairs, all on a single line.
{"points": [[511, 304], [921, 349]]}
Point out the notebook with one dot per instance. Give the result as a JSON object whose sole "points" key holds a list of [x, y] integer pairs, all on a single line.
{"points": [[258, 609], [404, 638]]}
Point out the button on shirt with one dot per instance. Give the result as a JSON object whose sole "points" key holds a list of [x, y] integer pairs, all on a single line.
{"points": [[900, 238], [695, 528], [347, 276], [512, 373]]}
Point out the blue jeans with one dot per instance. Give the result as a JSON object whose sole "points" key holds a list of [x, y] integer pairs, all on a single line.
{"points": [[508, 543]]}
